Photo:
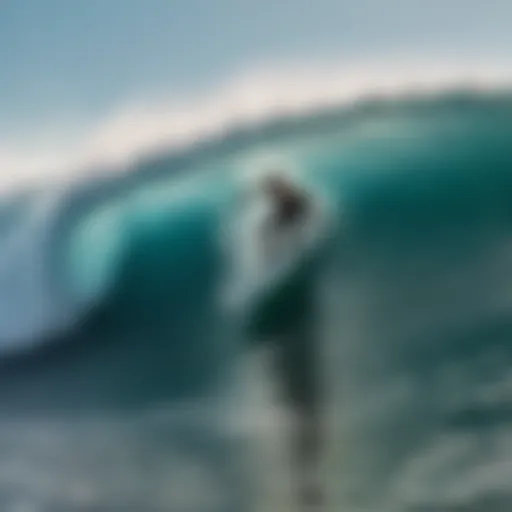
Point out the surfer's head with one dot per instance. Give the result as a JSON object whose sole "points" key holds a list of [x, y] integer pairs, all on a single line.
{"points": [[290, 201]]}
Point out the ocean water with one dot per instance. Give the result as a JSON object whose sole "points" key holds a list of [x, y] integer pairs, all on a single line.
{"points": [[118, 364]]}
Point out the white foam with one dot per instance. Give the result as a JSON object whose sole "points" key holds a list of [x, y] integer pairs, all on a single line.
{"points": [[149, 125]]}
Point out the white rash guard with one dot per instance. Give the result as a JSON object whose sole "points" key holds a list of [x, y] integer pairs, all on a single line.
{"points": [[261, 252]]}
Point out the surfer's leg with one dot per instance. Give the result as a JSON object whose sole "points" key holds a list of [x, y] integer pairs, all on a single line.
{"points": [[299, 378]]}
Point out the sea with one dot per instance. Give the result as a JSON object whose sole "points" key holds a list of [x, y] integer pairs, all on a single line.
{"points": [[126, 386]]}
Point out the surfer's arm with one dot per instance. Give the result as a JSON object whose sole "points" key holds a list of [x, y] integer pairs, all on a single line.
{"points": [[241, 250]]}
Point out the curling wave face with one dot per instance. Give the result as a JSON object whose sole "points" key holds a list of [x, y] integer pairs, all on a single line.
{"points": [[119, 302]]}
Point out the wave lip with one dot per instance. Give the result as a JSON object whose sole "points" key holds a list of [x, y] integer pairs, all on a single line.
{"points": [[144, 127]]}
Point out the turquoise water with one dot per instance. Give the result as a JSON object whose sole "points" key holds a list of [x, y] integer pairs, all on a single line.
{"points": [[116, 294]]}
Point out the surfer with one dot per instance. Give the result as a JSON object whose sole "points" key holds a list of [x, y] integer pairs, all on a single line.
{"points": [[277, 246], [296, 355]]}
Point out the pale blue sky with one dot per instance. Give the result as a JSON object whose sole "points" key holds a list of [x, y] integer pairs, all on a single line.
{"points": [[74, 59]]}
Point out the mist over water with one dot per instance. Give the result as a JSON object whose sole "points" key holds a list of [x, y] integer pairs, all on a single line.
{"points": [[111, 294]]}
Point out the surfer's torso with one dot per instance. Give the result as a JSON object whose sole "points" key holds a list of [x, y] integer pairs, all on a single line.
{"points": [[270, 240]]}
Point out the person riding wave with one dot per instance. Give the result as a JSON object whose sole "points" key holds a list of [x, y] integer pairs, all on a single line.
{"points": [[278, 243]]}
